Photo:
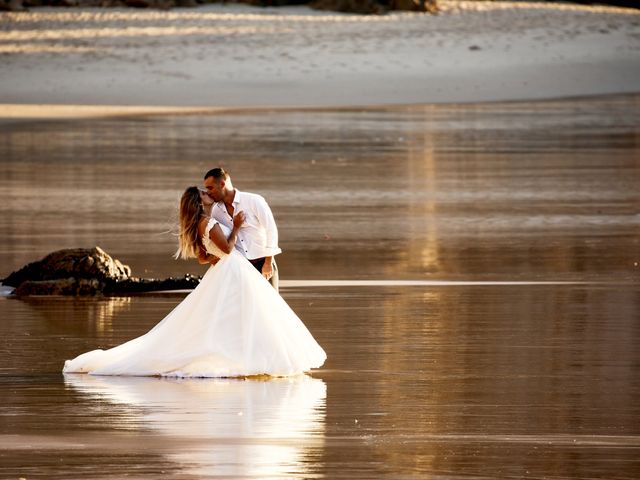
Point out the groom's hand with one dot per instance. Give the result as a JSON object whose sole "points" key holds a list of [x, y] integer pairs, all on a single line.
{"points": [[205, 258], [267, 268], [202, 256]]}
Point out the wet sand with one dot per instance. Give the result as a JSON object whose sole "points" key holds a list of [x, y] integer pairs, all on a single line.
{"points": [[532, 191], [471, 271], [454, 382]]}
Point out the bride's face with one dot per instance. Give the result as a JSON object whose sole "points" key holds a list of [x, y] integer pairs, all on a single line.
{"points": [[205, 198]]}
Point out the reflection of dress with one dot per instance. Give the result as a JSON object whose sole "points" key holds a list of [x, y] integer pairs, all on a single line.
{"points": [[216, 428], [233, 324]]}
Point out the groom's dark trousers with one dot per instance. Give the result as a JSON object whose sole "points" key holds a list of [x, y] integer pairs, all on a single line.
{"points": [[275, 279]]}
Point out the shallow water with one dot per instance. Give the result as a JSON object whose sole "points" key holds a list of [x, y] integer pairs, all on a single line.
{"points": [[471, 271]]}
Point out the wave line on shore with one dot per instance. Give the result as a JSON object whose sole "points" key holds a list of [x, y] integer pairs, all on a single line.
{"points": [[426, 283]]}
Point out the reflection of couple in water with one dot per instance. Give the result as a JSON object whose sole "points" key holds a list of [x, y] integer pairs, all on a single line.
{"points": [[234, 323], [217, 427]]}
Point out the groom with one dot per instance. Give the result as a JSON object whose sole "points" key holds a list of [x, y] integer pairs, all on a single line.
{"points": [[258, 236]]}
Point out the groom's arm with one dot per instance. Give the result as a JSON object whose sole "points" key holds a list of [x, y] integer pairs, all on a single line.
{"points": [[265, 217]]}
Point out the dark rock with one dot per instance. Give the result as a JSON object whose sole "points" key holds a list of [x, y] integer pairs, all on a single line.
{"points": [[375, 6], [619, 3], [12, 5], [141, 285], [83, 271], [64, 3], [64, 286], [352, 6], [155, 4], [349, 6], [430, 6], [273, 3], [89, 263]]}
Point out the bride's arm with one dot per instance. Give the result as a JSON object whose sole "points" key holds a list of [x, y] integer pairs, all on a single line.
{"points": [[204, 258], [223, 243]]}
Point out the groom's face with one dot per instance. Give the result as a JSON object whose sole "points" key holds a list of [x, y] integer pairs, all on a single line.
{"points": [[215, 188]]}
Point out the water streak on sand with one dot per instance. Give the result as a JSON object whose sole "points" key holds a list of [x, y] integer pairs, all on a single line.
{"points": [[102, 32], [168, 443], [421, 283], [418, 283]]}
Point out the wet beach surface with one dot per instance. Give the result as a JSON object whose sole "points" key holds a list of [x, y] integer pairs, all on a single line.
{"points": [[513, 354]]}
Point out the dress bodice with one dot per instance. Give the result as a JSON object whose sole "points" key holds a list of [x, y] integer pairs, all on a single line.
{"points": [[209, 246]]}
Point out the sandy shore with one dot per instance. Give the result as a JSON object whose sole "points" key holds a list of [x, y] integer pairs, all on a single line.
{"points": [[236, 55]]}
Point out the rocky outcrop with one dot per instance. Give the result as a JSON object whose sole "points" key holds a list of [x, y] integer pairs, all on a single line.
{"points": [[62, 286], [349, 6], [82, 271], [12, 5], [142, 285], [375, 6], [93, 263], [430, 6], [17, 5], [352, 6]]}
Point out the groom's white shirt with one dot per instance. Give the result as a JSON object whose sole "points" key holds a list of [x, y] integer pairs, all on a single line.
{"points": [[258, 236]]}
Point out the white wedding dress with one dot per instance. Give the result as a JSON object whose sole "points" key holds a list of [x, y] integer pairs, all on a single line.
{"points": [[233, 324]]}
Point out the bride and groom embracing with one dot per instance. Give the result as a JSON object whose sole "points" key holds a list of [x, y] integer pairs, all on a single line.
{"points": [[234, 323]]}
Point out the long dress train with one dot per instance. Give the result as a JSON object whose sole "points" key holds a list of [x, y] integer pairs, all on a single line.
{"points": [[232, 324]]}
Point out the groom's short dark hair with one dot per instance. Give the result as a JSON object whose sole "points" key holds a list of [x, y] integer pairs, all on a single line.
{"points": [[218, 173]]}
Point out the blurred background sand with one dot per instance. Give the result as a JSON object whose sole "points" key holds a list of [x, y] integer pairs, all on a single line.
{"points": [[236, 55]]}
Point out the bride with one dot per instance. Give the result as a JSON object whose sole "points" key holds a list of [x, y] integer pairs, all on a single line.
{"points": [[233, 324]]}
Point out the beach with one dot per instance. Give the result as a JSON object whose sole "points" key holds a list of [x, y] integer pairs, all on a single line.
{"points": [[458, 235], [231, 55]]}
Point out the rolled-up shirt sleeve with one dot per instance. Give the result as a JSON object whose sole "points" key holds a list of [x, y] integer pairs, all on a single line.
{"points": [[265, 217]]}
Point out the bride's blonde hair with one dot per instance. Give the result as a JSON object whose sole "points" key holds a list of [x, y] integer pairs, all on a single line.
{"points": [[190, 212]]}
